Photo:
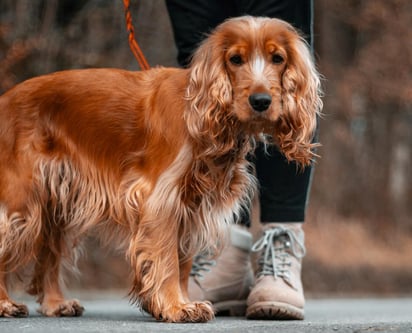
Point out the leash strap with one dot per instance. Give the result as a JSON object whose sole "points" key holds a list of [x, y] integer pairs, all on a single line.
{"points": [[134, 46]]}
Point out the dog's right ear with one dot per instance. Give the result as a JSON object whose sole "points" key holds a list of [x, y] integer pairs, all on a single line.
{"points": [[209, 91]]}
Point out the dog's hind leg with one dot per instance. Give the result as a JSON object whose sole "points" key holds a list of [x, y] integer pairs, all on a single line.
{"points": [[54, 245], [10, 260], [46, 280], [9, 308]]}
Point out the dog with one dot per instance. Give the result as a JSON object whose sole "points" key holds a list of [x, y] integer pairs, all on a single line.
{"points": [[154, 163]]}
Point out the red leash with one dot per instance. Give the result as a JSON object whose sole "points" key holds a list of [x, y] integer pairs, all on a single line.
{"points": [[134, 46]]}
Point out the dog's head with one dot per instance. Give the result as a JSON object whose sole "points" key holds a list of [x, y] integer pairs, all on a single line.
{"points": [[257, 72]]}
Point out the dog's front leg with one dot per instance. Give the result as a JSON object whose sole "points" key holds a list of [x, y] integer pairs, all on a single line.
{"points": [[157, 284]]}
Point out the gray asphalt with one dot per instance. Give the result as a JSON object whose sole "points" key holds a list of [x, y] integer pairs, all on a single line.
{"points": [[109, 313]]}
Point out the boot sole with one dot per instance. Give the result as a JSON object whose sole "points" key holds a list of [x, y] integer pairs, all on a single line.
{"points": [[274, 310], [235, 308]]}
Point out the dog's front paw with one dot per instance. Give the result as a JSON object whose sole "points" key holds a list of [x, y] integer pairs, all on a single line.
{"points": [[196, 312], [9, 308], [61, 308]]}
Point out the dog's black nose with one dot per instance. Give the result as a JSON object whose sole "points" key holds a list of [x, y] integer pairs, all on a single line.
{"points": [[260, 101]]}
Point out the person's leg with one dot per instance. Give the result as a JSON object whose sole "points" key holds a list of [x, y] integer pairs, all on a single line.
{"points": [[284, 191], [284, 188]]}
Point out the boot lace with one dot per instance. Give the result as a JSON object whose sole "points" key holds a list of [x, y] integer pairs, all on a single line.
{"points": [[277, 246], [201, 265]]}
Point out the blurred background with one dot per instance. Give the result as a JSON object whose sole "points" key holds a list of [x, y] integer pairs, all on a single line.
{"points": [[359, 224]]}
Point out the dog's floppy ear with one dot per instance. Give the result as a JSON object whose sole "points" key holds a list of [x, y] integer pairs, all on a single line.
{"points": [[209, 91], [301, 103]]}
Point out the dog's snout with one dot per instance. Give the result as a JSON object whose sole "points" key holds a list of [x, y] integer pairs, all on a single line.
{"points": [[260, 101]]}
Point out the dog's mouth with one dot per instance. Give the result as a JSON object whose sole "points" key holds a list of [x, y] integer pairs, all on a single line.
{"points": [[259, 124], [264, 118]]}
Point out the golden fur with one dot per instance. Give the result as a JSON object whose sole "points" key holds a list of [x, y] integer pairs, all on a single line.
{"points": [[151, 162]]}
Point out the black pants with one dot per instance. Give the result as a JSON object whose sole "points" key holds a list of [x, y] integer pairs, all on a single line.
{"points": [[283, 189]]}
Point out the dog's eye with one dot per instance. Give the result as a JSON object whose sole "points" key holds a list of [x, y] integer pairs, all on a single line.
{"points": [[236, 60], [277, 59]]}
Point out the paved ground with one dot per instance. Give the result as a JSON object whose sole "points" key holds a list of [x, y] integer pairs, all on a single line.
{"points": [[109, 313]]}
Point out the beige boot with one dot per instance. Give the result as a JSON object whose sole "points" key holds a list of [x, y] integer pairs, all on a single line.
{"points": [[225, 282], [278, 292]]}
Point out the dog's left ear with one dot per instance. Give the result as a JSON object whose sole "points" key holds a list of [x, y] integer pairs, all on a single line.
{"points": [[301, 101], [209, 90]]}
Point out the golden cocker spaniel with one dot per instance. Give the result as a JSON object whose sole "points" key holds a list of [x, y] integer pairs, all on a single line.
{"points": [[153, 162]]}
